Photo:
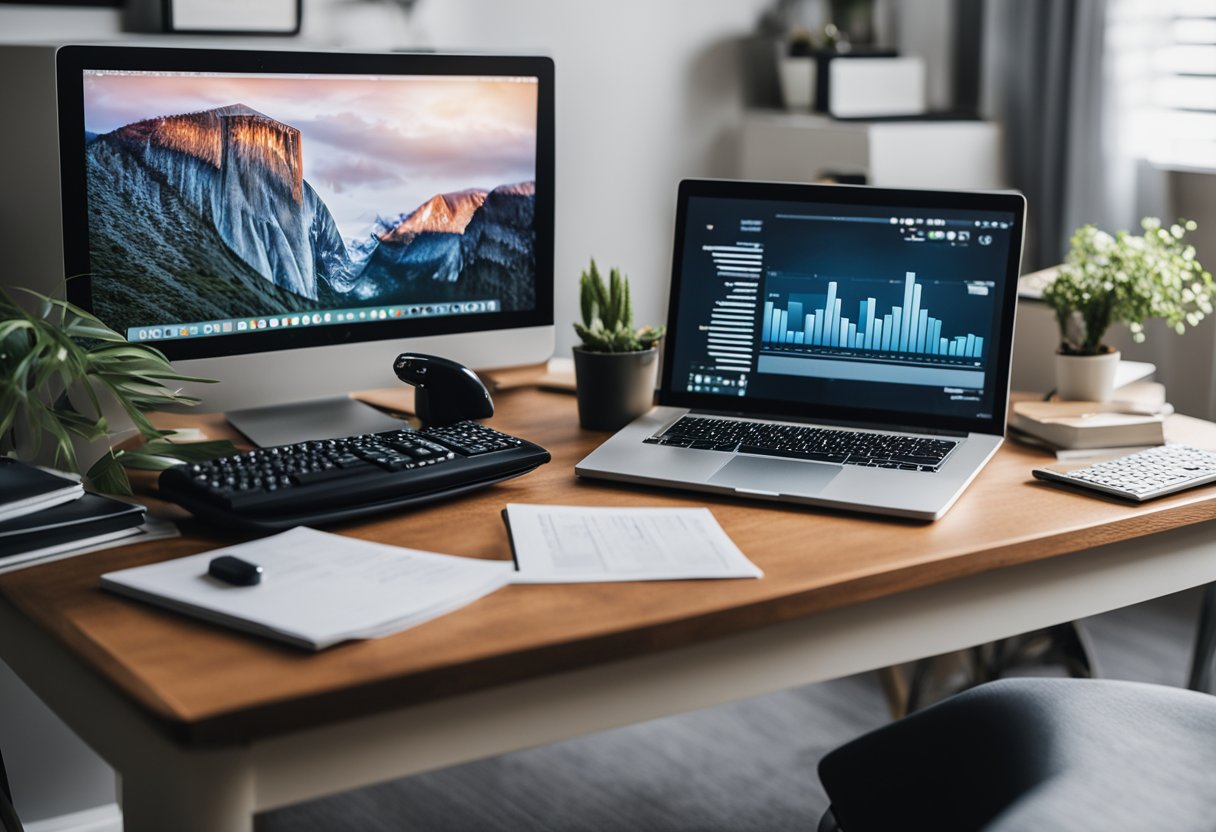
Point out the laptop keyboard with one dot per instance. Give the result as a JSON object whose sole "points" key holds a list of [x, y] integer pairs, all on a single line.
{"points": [[847, 447]]}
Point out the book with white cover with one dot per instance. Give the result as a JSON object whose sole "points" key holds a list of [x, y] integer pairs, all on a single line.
{"points": [[1136, 417], [318, 589]]}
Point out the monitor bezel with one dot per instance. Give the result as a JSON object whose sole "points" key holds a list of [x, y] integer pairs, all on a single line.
{"points": [[73, 61], [1003, 201]]}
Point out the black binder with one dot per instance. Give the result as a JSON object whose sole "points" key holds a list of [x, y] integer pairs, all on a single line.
{"points": [[88, 517], [25, 489]]}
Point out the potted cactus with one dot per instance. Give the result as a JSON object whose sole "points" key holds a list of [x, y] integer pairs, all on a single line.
{"points": [[616, 367]]}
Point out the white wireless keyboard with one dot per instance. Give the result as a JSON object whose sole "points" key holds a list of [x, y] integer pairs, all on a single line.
{"points": [[1140, 476]]}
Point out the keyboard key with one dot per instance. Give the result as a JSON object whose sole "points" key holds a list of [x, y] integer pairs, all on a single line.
{"points": [[1144, 475], [846, 447]]}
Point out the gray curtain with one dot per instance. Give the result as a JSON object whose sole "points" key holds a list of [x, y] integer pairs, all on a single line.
{"points": [[1045, 62]]}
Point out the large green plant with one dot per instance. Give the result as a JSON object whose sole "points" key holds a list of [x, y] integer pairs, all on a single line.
{"points": [[59, 365], [1128, 279], [607, 310]]}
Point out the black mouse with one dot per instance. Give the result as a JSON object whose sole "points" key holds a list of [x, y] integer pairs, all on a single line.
{"points": [[445, 392]]}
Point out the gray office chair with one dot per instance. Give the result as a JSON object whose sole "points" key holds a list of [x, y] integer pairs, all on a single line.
{"points": [[9, 822], [1044, 754]]}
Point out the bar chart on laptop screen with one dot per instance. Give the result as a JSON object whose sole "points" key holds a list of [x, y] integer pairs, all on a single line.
{"points": [[908, 330]]}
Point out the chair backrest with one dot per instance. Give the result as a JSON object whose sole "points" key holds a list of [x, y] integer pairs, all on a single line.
{"points": [[1032, 754]]}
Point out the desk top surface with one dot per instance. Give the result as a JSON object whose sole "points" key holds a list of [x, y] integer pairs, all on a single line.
{"points": [[207, 684]]}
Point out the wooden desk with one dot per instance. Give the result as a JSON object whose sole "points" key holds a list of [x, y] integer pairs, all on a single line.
{"points": [[208, 726]]}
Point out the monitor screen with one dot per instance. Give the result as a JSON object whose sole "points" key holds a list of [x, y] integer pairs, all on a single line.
{"points": [[225, 202], [854, 303]]}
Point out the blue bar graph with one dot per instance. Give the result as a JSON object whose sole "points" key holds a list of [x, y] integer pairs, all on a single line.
{"points": [[905, 329]]}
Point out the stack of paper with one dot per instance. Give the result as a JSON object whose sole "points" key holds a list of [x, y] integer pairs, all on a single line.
{"points": [[317, 589]]}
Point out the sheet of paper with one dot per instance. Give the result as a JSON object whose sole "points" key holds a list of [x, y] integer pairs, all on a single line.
{"points": [[317, 588], [574, 544]]}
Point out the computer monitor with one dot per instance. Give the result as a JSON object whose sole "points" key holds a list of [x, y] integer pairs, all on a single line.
{"points": [[288, 222]]}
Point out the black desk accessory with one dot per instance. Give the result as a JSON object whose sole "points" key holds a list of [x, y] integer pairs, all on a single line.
{"points": [[444, 392], [335, 480], [233, 570]]}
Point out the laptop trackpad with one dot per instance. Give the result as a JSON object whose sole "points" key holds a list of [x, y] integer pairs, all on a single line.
{"points": [[779, 476]]}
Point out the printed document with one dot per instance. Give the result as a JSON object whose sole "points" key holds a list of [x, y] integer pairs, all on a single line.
{"points": [[575, 544]]}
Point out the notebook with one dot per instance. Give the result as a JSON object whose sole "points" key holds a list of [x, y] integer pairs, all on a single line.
{"points": [[25, 489], [831, 345], [79, 521]]}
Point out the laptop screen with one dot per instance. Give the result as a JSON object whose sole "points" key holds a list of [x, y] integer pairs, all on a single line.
{"points": [[854, 304]]}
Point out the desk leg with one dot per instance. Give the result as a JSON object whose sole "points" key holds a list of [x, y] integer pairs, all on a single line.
{"points": [[212, 791], [165, 788]]}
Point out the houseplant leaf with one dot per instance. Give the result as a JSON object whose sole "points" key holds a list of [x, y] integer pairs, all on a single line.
{"points": [[61, 366]]}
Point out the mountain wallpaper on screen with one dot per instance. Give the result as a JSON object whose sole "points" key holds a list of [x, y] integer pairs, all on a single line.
{"points": [[207, 215]]}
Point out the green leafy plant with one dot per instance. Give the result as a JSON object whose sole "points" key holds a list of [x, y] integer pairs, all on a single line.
{"points": [[607, 324], [59, 365], [800, 43], [1128, 279]]}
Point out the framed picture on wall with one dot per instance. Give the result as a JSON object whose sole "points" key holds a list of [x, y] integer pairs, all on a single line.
{"points": [[217, 17]]}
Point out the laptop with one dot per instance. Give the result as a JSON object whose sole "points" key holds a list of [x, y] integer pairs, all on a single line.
{"points": [[830, 345]]}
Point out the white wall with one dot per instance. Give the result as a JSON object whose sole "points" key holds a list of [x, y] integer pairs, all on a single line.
{"points": [[925, 28], [647, 93], [27, 22]]}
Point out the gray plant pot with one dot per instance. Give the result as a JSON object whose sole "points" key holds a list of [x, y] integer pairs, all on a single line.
{"points": [[614, 388]]}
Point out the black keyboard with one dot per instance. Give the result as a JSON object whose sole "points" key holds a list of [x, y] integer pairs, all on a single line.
{"points": [[332, 480], [846, 447]]}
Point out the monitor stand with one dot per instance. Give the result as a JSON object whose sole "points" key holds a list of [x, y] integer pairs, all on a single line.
{"points": [[287, 424]]}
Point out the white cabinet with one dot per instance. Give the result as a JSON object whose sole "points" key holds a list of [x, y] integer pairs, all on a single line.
{"points": [[904, 153]]}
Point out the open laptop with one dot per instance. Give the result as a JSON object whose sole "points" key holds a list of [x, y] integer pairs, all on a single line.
{"points": [[831, 345]]}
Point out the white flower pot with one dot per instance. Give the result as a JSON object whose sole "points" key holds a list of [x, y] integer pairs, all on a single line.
{"points": [[1086, 378], [797, 77]]}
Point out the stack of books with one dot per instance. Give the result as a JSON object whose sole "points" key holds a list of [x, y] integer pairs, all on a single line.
{"points": [[43, 514], [1135, 420]]}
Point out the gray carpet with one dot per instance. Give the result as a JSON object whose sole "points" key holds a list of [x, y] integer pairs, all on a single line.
{"points": [[745, 766]]}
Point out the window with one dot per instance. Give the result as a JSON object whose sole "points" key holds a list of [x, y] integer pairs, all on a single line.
{"points": [[1163, 76]]}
